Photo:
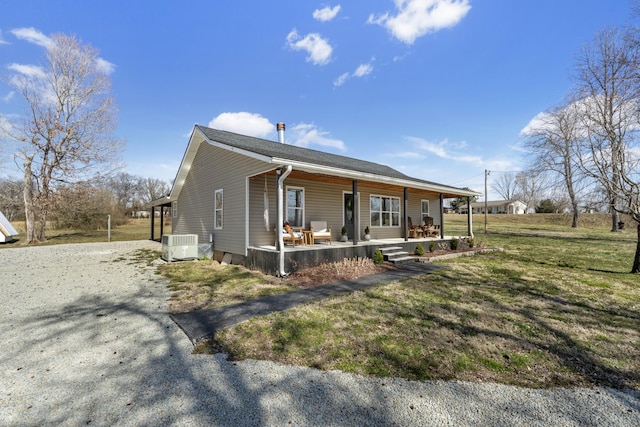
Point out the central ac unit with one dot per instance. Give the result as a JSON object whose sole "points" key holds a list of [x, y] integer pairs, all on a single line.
{"points": [[178, 247]]}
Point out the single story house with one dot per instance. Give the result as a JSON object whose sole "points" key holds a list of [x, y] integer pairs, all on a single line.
{"points": [[235, 192], [7, 231], [496, 207]]}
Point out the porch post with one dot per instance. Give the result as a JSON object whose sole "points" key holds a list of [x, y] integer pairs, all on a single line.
{"points": [[153, 212], [356, 212], [469, 217], [406, 214], [161, 220], [441, 217]]}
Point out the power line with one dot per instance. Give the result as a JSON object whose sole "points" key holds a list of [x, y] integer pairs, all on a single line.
{"points": [[468, 179], [482, 174]]}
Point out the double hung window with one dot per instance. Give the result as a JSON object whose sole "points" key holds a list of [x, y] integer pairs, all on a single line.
{"points": [[385, 211], [295, 206]]}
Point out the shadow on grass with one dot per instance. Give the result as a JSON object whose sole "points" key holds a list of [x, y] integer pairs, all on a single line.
{"points": [[466, 328], [538, 310]]}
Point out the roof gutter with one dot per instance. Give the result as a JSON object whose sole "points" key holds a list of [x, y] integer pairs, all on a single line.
{"points": [[313, 168], [281, 174]]}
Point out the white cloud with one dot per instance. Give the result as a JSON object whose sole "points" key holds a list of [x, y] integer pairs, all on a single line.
{"points": [[326, 14], [31, 71], [6, 126], [445, 149], [105, 66], [362, 71], [399, 58], [8, 97], [319, 49], [407, 155], [342, 79], [243, 123], [416, 18], [33, 36], [540, 121], [305, 135], [2, 41]]}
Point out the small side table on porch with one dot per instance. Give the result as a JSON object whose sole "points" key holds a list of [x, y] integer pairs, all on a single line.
{"points": [[308, 237]]}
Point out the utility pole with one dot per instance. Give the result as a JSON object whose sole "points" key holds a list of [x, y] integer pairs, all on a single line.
{"points": [[486, 174]]}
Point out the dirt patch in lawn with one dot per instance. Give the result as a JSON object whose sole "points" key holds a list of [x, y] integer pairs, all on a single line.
{"points": [[348, 269]]}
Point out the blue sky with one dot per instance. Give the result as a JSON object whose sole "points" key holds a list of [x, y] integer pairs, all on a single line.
{"points": [[438, 89]]}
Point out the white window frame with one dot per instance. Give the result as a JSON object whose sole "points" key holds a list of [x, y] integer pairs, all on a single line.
{"points": [[174, 209], [381, 212], [300, 208], [218, 210], [422, 202]]}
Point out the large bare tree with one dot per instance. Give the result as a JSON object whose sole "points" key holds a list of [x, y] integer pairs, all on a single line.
{"points": [[66, 132], [609, 92], [551, 139]]}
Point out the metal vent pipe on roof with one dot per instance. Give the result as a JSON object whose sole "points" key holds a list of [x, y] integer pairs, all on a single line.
{"points": [[280, 128]]}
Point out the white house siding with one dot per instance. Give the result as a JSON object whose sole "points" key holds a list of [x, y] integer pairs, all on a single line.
{"points": [[213, 169]]}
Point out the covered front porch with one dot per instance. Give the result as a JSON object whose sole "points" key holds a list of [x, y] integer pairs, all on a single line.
{"points": [[266, 258]]}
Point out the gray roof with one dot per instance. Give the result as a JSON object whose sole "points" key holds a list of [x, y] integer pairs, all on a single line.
{"points": [[275, 149], [303, 159]]}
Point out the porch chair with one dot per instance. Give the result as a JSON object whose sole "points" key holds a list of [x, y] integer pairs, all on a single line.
{"points": [[414, 230], [430, 230], [291, 236], [320, 231]]}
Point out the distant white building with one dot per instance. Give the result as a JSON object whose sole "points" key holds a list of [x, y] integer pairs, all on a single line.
{"points": [[496, 207]]}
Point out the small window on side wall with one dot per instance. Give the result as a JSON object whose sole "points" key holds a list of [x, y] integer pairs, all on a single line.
{"points": [[174, 209], [217, 213]]}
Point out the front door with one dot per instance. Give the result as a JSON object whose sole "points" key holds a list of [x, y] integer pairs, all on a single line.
{"points": [[348, 214]]}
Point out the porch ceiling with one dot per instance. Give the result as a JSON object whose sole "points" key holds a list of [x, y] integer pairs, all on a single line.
{"points": [[332, 179]]}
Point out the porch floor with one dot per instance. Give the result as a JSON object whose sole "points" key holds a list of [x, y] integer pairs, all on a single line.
{"points": [[266, 258], [341, 245]]}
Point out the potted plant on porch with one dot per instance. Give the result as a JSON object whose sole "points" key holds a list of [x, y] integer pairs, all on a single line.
{"points": [[344, 236], [367, 236]]}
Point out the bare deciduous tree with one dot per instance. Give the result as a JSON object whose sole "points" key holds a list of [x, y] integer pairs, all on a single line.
{"points": [[10, 198], [67, 129], [133, 192], [153, 189], [83, 206], [506, 186], [530, 187], [551, 140], [126, 188], [609, 93]]}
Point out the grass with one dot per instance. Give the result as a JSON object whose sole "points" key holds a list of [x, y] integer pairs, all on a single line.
{"points": [[203, 284], [136, 229], [556, 308]]}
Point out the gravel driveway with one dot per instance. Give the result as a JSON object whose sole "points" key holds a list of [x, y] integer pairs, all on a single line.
{"points": [[85, 339]]}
